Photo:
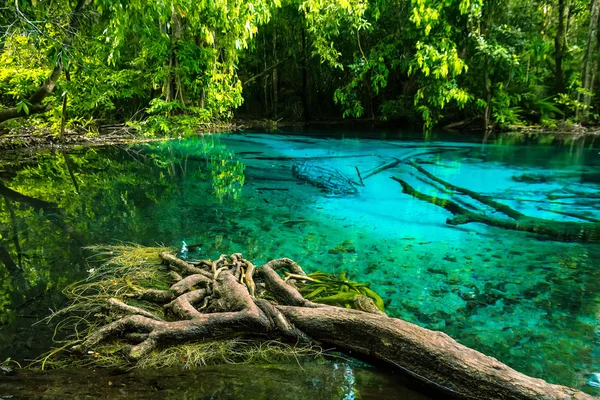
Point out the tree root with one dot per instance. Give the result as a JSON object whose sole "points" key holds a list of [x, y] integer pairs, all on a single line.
{"points": [[235, 305]]}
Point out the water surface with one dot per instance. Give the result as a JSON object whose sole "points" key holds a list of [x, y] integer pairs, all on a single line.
{"points": [[531, 303]]}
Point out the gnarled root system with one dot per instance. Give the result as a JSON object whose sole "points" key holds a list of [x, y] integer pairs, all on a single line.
{"points": [[230, 298]]}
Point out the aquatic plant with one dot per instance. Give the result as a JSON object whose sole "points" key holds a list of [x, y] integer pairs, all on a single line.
{"points": [[339, 291]]}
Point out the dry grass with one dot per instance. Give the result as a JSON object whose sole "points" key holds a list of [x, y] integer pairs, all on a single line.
{"points": [[231, 351], [124, 270]]}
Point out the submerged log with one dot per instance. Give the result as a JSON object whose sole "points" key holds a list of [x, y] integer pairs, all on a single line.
{"points": [[329, 179], [229, 298], [558, 230]]}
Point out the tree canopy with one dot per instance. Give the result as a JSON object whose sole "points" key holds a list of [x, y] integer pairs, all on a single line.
{"points": [[165, 66]]}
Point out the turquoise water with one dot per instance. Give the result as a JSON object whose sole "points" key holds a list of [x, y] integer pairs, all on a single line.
{"points": [[531, 303]]}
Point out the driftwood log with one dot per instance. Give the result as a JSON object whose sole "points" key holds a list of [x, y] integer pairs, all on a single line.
{"points": [[557, 230], [227, 298]]}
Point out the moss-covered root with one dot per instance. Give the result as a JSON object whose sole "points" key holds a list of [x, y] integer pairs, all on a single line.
{"points": [[223, 300]]}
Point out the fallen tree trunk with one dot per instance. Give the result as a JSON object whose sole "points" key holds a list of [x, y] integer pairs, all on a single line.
{"points": [[517, 221], [328, 179], [431, 356], [213, 300]]}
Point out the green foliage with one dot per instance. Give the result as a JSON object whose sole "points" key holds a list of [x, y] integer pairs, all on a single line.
{"points": [[126, 59], [22, 70], [340, 291], [169, 67], [572, 101], [329, 19]]}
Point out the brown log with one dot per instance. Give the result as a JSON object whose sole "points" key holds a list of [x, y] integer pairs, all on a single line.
{"points": [[430, 356], [12, 112]]}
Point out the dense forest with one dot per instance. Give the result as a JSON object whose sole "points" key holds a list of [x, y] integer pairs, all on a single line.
{"points": [[166, 67]]}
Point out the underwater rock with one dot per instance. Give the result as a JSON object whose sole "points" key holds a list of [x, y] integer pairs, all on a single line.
{"points": [[440, 271], [326, 178], [450, 257], [344, 247]]}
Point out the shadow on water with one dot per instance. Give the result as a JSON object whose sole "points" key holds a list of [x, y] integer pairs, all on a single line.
{"points": [[281, 381], [532, 304]]}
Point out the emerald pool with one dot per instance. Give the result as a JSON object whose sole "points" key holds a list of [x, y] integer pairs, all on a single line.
{"points": [[531, 302]]}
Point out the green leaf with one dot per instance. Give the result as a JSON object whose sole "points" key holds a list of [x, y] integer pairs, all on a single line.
{"points": [[23, 107]]}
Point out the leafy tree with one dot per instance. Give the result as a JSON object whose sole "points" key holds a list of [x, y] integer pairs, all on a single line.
{"points": [[170, 66]]}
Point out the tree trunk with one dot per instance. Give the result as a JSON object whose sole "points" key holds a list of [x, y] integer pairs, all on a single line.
{"points": [[70, 171], [560, 44], [487, 76], [590, 59], [274, 80], [431, 356], [177, 28], [15, 229], [173, 88], [233, 293], [305, 98], [63, 120], [266, 78], [488, 97]]}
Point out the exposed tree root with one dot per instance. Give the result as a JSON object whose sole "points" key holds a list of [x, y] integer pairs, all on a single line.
{"points": [[557, 230], [230, 298]]}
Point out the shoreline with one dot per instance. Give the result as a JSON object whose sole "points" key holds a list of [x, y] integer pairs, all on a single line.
{"points": [[28, 140]]}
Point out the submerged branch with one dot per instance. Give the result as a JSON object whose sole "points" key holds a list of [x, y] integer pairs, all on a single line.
{"points": [[557, 230], [474, 195]]}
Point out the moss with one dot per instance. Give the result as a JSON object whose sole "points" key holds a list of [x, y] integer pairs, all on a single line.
{"points": [[337, 290]]}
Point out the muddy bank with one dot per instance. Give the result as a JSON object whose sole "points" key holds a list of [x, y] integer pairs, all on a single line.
{"points": [[31, 139]]}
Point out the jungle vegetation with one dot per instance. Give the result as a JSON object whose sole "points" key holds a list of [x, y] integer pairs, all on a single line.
{"points": [[168, 66]]}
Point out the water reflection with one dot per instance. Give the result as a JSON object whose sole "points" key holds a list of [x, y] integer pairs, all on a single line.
{"points": [[54, 204], [281, 381], [533, 304]]}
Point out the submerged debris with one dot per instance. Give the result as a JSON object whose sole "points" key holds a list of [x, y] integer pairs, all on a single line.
{"points": [[329, 179]]}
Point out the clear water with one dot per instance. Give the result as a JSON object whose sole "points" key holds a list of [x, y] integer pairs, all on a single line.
{"points": [[531, 303]]}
